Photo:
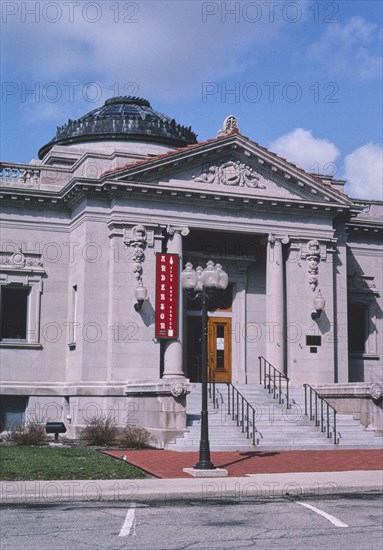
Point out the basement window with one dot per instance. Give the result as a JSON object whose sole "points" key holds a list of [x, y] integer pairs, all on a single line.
{"points": [[12, 411]]}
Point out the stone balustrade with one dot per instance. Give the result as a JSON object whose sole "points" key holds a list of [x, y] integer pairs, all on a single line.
{"points": [[20, 175]]}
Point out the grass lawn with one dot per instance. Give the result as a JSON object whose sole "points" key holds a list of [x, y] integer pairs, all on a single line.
{"points": [[23, 463]]}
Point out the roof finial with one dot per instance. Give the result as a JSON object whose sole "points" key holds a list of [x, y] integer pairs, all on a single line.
{"points": [[230, 126]]}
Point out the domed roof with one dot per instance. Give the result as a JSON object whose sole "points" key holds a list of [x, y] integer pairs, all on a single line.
{"points": [[124, 118]]}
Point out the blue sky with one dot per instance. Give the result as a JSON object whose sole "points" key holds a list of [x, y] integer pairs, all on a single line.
{"points": [[304, 78]]}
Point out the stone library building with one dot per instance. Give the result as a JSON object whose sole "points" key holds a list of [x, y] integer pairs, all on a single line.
{"points": [[94, 320]]}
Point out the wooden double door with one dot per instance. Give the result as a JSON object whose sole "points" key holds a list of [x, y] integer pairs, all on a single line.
{"points": [[218, 348]]}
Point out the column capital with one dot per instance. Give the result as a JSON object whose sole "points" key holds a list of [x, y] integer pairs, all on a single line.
{"points": [[283, 239], [181, 229]]}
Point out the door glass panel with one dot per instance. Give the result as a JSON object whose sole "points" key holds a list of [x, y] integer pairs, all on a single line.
{"points": [[220, 347]]}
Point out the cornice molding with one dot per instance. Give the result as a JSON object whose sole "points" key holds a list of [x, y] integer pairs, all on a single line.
{"points": [[239, 145], [71, 196]]}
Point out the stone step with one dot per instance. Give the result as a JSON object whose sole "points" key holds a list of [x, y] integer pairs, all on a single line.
{"points": [[226, 431], [278, 428], [214, 441], [349, 431], [355, 427], [346, 422]]}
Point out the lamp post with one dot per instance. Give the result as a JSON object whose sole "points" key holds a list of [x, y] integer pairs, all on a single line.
{"points": [[203, 284]]}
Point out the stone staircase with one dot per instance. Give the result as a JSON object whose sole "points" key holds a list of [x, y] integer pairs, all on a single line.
{"points": [[277, 428], [289, 429], [223, 432]]}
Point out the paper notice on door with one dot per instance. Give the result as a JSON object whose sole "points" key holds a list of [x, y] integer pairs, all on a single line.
{"points": [[220, 343]]}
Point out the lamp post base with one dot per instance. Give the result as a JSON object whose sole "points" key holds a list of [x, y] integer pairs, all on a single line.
{"points": [[216, 472], [204, 465]]}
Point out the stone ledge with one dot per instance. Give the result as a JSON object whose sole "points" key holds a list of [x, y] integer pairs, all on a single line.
{"points": [[175, 387], [20, 345], [356, 390], [54, 389]]}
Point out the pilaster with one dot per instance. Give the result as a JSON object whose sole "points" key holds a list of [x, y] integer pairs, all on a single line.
{"points": [[275, 301], [132, 353]]}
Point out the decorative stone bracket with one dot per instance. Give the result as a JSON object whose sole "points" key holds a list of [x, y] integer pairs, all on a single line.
{"points": [[139, 238], [178, 388], [313, 257]]}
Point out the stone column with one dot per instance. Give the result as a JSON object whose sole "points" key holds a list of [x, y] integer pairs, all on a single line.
{"points": [[173, 359], [238, 343], [275, 302]]}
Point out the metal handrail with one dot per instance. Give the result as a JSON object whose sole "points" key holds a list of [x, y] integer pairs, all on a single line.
{"points": [[318, 416], [211, 388], [271, 378], [237, 404]]}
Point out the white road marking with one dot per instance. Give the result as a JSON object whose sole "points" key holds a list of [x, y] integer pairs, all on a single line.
{"points": [[335, 521], [129, 526]]}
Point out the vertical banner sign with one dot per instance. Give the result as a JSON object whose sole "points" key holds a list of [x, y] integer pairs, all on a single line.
{"points": [[167, 295]]}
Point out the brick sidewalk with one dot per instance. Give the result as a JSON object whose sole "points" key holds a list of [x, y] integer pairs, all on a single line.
{"points": [[169, 464]]}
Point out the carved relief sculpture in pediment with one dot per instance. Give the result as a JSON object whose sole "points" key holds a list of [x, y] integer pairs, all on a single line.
{"points": [[231, 173]]}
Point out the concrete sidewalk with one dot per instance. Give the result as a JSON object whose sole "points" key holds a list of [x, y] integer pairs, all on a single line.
{"points": [[163, 491], [170, 464], [251, 475]]}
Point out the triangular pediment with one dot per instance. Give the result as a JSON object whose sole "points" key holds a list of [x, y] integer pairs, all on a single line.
{"points": [[234, 166]]}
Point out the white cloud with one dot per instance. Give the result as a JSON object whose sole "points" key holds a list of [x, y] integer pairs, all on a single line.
{"points": [[169, 47], [310, 153], [364, 171], [353, 49]]}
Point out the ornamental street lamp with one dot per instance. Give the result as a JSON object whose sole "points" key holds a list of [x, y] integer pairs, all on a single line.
{"points": [[203, 285], [319, 305]]}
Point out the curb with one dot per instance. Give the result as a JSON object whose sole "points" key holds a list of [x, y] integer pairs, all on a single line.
{"points": [[162, 491]]}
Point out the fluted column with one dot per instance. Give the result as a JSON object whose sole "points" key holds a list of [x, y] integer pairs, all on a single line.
{"points": [[173, 359], [275, 302]]}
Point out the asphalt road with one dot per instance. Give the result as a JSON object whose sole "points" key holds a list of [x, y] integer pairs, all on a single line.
{"points": [[351, 522]]}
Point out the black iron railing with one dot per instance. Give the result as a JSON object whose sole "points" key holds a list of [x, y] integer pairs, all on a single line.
{"points": [[242, 412], [320, 412], [211, 388], [274, 380]]}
